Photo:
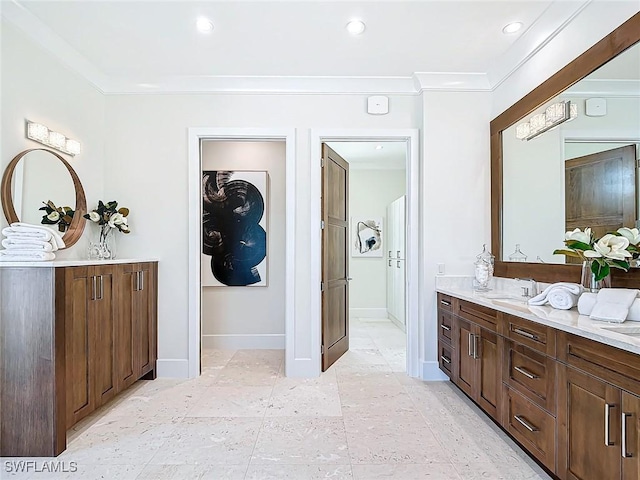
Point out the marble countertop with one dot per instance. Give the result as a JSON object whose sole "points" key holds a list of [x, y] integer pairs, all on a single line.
{"points": [[506, 297], [76, 263]]}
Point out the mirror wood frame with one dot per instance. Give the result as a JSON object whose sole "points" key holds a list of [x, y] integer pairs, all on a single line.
{"points": [[74, 232], [610, 46]]}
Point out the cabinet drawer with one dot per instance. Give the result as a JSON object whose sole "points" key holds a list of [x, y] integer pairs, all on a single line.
{"points": [[533, 335], [534, 428], [484, 316], [617, 366], [445, 302], [530, 373], [445, 358], [445, 326]]}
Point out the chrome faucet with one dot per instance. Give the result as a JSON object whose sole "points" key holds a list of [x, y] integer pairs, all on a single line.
{"points": [[530, 291]]}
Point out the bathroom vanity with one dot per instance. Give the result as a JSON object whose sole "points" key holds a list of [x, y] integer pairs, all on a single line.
{"points": [[74, 335], [566, 388]]}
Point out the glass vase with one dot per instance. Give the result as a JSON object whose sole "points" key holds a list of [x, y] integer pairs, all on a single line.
{"points": [[103, 246], [588, 279]]}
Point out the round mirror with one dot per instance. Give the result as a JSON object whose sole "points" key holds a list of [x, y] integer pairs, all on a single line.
{"points": [[41, 188]]}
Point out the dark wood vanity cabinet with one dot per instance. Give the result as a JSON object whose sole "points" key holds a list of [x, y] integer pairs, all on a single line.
{"points": [[72, 339], [571, 402]]}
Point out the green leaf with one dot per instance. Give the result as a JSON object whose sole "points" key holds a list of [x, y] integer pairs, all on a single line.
{"points": [[568, 253], [600, 268], [621, 264], [576, 245]]}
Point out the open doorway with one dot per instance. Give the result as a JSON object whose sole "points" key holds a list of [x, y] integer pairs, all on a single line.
{"points": [[364, 253]]}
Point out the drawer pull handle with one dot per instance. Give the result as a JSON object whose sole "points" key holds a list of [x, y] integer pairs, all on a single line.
{"points": [[445, 327], [625, 454], [525, 424], [526, 334], [445, 359], [525, 372], [445, 303], [389, 262], [607, 424]]}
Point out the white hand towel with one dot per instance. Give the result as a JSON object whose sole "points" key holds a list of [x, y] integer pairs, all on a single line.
{"points": [[25, 256], [28, 227], [37, 245], [623, 296], [572, 288], [609, 312], [634, 311], [11, 232], [562, 299], [586, 302]]}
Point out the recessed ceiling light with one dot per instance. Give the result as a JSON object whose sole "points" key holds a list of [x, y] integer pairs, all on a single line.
{"points": [[356, 27], [204, 25], [379, 147], [512, 27]]}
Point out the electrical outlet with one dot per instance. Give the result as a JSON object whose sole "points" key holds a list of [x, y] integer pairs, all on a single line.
{"points": [[441, 269]]}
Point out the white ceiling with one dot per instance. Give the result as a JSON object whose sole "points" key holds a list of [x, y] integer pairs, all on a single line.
{"points": [[128, 46], [364, 155]]}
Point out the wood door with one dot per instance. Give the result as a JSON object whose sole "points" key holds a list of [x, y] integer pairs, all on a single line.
{"points": [[588, 416], [79, 360], [335, 264], [630, 450], [600, 191], [488, 346], [145, 320], [466, 363], [103, 331], [127, 277]]}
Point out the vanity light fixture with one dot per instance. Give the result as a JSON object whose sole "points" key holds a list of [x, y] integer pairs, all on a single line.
{"points": [[41, 134], [553, 116], [356, 27]]}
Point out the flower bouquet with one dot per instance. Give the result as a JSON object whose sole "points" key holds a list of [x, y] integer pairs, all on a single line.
{"points": [[61, 216], [110, 218]]}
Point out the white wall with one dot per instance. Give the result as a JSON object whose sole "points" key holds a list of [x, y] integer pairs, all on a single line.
{"points": [[370, 191], [250, 317], [148, 168], [37, 87]]}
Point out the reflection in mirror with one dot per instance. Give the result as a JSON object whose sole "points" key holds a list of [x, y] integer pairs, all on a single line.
{"points": [[581, 173], [37, 178]]}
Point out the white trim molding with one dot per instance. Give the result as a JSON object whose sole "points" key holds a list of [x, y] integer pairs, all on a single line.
{"points": [[414, 322], [196, 134], [430, 372], [172, 367]]}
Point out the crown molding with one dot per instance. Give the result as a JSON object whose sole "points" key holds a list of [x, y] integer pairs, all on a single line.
{"points": [[452, 81]]}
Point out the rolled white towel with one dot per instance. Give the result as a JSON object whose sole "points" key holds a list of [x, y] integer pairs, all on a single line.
{"points": [[586, 302], [37, 245], [562, 299], [28, 227], [572, 288], [25, 256]]}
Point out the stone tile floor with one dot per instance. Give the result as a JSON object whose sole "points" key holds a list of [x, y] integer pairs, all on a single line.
{"points": [[363, 419]]}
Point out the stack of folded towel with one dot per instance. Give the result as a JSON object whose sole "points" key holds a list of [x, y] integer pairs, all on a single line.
{"points": [[29, 243], [562, 296], [611, 305]]}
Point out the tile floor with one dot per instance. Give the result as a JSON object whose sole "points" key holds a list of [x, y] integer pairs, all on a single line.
{"points": [[242, 419]]}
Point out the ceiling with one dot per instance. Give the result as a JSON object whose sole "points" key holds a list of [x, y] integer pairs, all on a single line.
{"points": [[365, 155], [137, 46]]}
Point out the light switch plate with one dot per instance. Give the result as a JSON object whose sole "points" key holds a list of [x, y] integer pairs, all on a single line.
{"points": [[378, 105]]}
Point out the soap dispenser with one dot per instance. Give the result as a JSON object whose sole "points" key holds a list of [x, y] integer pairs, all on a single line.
{"points": [[483, 270]]}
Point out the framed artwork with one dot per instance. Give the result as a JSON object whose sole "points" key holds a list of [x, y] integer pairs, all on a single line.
{"points": [[367, 236], [234, 228]]}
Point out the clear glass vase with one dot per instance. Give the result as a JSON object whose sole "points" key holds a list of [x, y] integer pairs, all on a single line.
{"points": [[103, 246], [588, 279]]}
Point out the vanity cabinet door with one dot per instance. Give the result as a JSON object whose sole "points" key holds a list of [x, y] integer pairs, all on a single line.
{"points": [[126, 341], [487, 352], [102, 317], [145, 308], [589, 428], [630, 444], [465, 359]]}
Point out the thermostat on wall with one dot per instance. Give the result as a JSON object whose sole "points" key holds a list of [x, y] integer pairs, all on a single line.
{"points": [[595, 107], [378, 105]]}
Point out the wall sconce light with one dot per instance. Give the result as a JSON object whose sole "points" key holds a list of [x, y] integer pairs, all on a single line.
{"points": [[42, 134], [553, 116]]}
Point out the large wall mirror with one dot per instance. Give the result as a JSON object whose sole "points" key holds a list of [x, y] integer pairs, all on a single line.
{"points": [[40, 175], [582, 172]]}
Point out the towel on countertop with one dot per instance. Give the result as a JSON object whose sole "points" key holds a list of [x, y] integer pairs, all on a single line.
{"points": [[19, 244], [562, 295], [37, 232], [613, 304], [25, 256], [586, 303]]}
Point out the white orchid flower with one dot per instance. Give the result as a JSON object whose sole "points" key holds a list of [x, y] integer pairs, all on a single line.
{"points": [[579, 235], [94, 217], [631, 234], [54, 216], [610, 246]]}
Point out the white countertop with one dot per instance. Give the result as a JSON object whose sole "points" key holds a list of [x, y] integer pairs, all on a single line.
{"points": [[76, 263], [566, 320]]}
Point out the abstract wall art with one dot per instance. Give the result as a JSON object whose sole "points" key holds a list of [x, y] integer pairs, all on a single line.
{"points": [[367, 237], [234, 228]]}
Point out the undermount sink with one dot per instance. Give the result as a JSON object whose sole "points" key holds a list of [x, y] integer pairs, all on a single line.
{"points": [[624, 330]]}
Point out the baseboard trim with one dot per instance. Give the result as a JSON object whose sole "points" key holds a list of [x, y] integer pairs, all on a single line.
{"points": [[265, 341], [431, 372], [368, 312], [172, 367], [398, 323]]}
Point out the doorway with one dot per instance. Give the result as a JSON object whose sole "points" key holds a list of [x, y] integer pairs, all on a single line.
{"points": [[364, 302]]}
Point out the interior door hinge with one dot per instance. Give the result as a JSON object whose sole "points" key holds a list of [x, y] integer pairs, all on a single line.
{"points": [[322, 224], [322, 349], [322, 161], [322, 286]]}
